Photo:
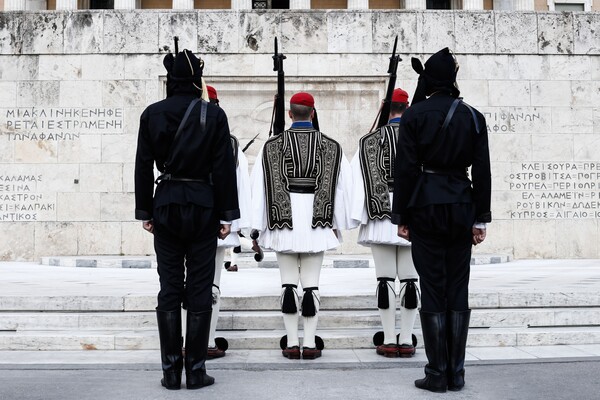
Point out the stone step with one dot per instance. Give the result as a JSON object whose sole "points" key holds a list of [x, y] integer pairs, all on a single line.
{"points": [[257, 320], [245, 260], [269, 339], [147, 302]]}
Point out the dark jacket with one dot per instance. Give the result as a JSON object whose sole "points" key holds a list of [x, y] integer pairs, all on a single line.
{"points": [[196, 155], [447, 181]]}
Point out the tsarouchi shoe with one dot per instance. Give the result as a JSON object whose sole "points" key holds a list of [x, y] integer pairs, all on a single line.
{"points": [[388, 350], [406, 350], [215, 352], [310, 353], [293, 353]]}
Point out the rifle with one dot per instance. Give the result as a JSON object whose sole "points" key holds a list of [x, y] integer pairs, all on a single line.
{"points": [[278, 117], [176, 40], [250, 143], [384, 112]]}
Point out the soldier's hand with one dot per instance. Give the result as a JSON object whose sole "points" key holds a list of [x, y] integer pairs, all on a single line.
{"points": [[224, 231], [403, 232], [148, 225], [478, 235]]}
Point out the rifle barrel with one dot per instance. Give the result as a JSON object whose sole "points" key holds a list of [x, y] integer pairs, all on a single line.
{"points": [[387, 102]]}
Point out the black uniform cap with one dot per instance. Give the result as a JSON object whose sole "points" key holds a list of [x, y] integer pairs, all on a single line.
{"points": [[439, 73], [184, 68]]}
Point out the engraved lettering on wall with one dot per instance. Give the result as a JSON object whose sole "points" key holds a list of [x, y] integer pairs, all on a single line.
{"points": [[20, 202], [555, 190], [55, 124]]}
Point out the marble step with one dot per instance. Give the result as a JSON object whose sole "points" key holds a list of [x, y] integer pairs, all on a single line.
{"points": [[269, 339], [256, 320], [147, 302], [245, 260]]}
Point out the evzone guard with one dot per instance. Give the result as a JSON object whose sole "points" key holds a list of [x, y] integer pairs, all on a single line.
{"points": [[300, 192], [373, 173], [218, 345]]}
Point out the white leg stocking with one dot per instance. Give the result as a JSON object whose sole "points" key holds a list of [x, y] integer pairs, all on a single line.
{"points": [[310, 271], [290, 275], [384, 257], [406, 270], [216, 295]]}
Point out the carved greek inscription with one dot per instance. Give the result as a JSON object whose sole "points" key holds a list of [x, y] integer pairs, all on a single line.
{"points": [[20, 202], [55, 124], [556, 190], [506, 121]]}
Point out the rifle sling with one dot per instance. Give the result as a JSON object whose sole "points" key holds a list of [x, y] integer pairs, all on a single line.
{"points": [[203, 111]]}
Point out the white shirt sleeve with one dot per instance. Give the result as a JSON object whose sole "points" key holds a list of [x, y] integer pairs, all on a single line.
{"points": [[341, 211], [358, 209], [259, 207], [244, 191]]}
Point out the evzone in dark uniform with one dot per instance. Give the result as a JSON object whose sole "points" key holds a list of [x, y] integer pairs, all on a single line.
{"points": [[300, 193], [218, 346], [196, 190], [441, 211], [373, 173]]}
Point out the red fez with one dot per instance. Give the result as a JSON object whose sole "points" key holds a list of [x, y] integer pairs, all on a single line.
{"points": [[212, 93], [303, 99], [399, 96]]}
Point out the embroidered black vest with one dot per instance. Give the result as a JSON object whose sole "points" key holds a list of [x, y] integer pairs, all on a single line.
{"points": [[300, 160], [377, 154]]}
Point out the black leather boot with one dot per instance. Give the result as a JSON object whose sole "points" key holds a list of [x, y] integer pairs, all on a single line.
{"points": [[169, 332], [458, 330], [196, 349], [433, 326]]}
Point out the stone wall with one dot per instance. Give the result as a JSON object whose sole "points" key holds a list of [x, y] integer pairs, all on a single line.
{"points": [[73, 84]]}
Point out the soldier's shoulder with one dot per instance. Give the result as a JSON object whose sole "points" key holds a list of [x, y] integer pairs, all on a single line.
{"points": [[370, 135], [330, 140], [273, 139], [158, 106], [476, 111], [215, 111]]}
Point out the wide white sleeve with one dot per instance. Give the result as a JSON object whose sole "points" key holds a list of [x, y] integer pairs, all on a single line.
{"points": [[259, 206], [358, 208], [341, 210], [244, 191]]}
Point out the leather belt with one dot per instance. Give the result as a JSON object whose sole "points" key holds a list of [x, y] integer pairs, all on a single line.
{"points": [[443, 171], [301, 189], [170, 177]]}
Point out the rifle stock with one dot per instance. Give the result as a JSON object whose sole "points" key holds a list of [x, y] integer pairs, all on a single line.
{"points": [[278, 125], [387, 102]]}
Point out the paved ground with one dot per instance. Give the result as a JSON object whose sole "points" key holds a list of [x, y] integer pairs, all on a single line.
{"points": [[548, 381]]}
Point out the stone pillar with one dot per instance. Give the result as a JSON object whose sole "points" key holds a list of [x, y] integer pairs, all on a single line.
{"points": [[472, 4], [34, 5], [299, 4], [358, 4], [241, 4], [524, 5], [15, 5], [183, 4], [416, 4], [66, 4], [124, 4]]}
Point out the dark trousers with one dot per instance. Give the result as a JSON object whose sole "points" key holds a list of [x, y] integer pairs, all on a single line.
{"points": [[441, 249], [185, 241]]}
